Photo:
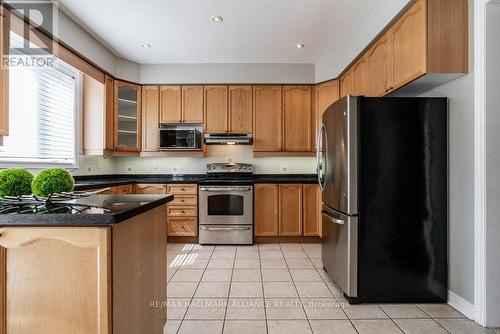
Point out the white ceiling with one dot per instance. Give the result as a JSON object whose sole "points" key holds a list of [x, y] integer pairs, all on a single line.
{"points": [[253, 31]]}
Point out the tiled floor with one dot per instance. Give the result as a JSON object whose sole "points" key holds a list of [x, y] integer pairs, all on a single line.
{"points": [[282, 288]]}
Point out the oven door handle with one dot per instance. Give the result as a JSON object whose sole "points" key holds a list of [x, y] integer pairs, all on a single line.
{"points": [[225, 189], [205, 228]]}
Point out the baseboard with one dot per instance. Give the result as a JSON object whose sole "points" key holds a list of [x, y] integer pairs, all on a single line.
{"points": [[461, 305]]}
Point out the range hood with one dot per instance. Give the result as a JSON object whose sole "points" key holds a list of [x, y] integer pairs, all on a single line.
{"points": [[228, 139]]}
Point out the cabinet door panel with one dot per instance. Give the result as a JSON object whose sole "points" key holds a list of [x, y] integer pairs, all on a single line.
{"points": [[266, 209], [312, 209], [148, 188], [170, 104], [216, 109], [325, 94], [109, 106], [268, 127], [150, 122], [380, 67], [360, 83], [346, 86], [192, 104], [298, 118], [240, 109], [127, 118], [409, 46], [290, 203]]}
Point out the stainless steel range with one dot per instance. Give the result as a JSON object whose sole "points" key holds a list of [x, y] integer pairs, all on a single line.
{"points": [[226, 205]]}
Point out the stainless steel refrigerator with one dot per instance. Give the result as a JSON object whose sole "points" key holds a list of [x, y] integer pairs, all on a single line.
{"points": [[382, 169]]}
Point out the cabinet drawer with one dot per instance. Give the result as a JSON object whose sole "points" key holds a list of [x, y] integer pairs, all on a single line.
{"points": [[184, 200], [123, 190], [186, 227], [150, 188], [182, 211], [182, 188]]}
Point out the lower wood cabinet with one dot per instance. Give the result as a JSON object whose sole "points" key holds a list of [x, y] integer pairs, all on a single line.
{"points": [[182, 212], [149, 188], [286, 210]]}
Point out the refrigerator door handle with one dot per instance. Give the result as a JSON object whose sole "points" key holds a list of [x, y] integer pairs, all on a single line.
{"points": [[334, 220], [321, 165]]}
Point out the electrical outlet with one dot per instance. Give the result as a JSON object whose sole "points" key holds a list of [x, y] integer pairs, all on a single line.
{"points": [[229, 160], [98, 163], [89, 169], [175, 169], [129, 168], [284, 168], [155, 164]]}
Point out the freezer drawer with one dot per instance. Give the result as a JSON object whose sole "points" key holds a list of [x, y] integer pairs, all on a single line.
{"points": [[226, 234], [340, 250]]}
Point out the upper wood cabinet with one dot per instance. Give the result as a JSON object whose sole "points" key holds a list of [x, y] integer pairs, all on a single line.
{"points": [[267, 118], [311, 204], [360, 77], [298, 118], [109, 110], [150, 122], [192, 104], [290, 222], [346, 84], [216, 112], [380, 67], [240, 109], [266, 209], [127, 118], [323, 96], [170, 104]]}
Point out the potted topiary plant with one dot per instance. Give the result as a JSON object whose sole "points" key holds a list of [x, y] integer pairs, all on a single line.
{"points": [[15, 182], [52, 180]]}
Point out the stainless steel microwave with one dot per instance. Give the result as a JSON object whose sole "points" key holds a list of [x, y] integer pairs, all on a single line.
{"points": [[180, 139]]}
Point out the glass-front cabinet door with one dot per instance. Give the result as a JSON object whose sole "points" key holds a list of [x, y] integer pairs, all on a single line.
{"points": [[127, 116]]}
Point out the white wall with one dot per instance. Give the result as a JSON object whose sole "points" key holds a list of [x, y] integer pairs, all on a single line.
{"points": [[492, 164], [227, 73]]}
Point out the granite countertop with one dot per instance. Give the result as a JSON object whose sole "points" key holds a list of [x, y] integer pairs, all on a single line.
{"points": [[102, 181], [112, 209]]}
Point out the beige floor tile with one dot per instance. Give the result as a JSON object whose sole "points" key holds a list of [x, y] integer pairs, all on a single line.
{"points": [[290, 246], [201, 327], [305, 275], [247, 264], [288, 327], [202, 254], [269, 247], [212, 290], [496, 330], [187, 275], [462, 326], [440, 311], [206, 309], [247, 275], [364, 311], [273, 263], [294, 254], [420, 326], [299, 264], [324, 275], [273, 254], [244, 327], [247, 254], [201, 248], [217, 275], [220, 264], [337, 292], [176, 261], [279, 290], [247, 247], [403, 311], [323, 308], [223, 255], [376, 327], [317, 263], [176, 308], [246, 290], [313, 289], [225, 248], [170, 274], [194, 263], [181, 289], [276, 275], [314, 254], [171, 326], [245, 309], [284, 309], [332, 327], [182, 247]]}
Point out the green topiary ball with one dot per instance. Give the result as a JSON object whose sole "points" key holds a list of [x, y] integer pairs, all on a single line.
{"points": [[15, 182], [52, 180]]}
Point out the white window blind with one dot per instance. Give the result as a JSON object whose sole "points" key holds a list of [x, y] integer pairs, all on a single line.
{"points": [[42, 114]]}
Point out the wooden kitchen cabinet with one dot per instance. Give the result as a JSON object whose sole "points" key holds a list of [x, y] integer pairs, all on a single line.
{"points": [[267, 118], [290, 222], [360, 77], [266, 209], [192, 104], [346, 84], [109, 111], [123, 190], [216, 109], [150, 188], [150, 118], [182, 212], [298, 118], [170, 104], [380, 67], [240, 109], [311, 204], [324, 95], [127, 117]]}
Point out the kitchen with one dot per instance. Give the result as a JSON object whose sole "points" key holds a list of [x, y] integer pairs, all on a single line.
{"points": [[276, 168]]}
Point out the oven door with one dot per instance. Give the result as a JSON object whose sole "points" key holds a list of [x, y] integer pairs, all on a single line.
{"points": [[226, 205]]}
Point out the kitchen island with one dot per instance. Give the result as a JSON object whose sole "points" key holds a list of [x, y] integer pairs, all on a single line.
{"points": [[102, 270]]}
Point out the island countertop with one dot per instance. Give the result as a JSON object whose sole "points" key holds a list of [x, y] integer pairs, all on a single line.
{"points": [[104, 210]]}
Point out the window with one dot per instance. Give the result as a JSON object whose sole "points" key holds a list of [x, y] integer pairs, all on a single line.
{"points": [[42, 112]]}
